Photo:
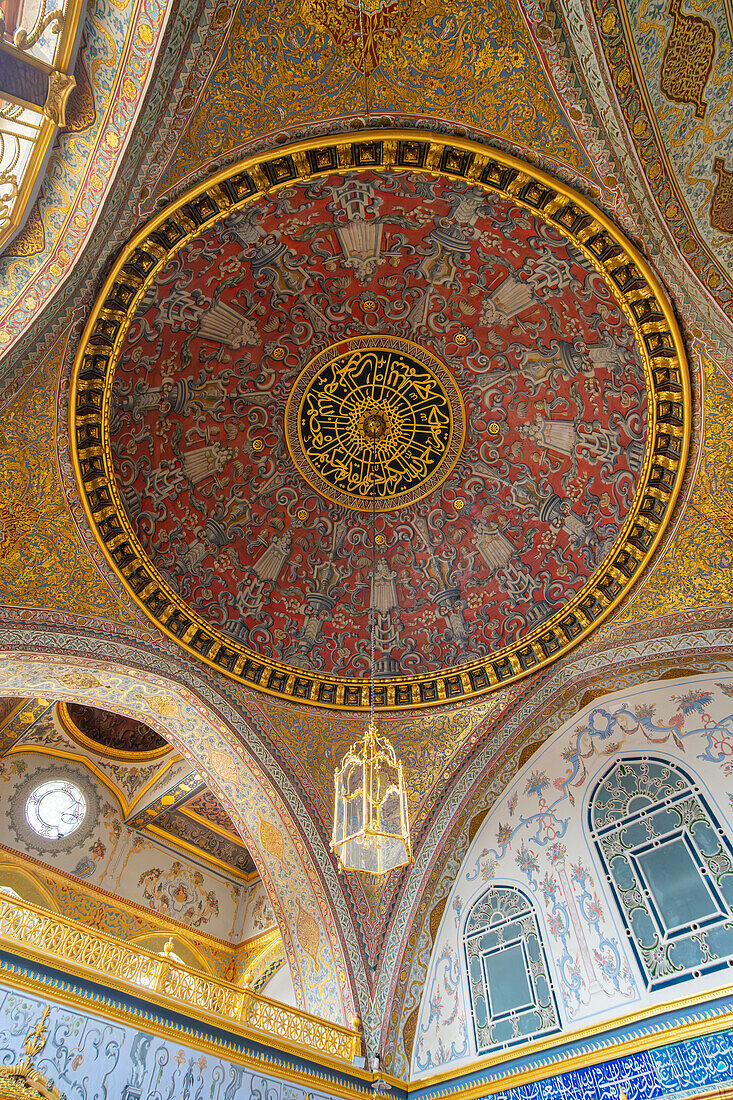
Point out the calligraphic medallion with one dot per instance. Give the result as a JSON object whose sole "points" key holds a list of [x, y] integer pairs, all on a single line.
{"points": [[375, 422]]}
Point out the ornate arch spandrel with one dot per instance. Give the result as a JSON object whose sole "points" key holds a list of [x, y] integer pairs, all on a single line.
{"points": [[526, 726]]}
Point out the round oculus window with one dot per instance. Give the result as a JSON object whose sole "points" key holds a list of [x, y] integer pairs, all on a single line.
{"points": [[55, 809]]}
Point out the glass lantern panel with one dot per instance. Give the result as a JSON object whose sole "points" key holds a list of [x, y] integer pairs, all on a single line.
{"points": [[374, 855], [389, 813]]}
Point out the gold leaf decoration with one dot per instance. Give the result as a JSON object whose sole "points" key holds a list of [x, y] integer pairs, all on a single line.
{"points": [[43, 560], [224, 766], [164, 705], [308, 933], [694, 569], [81, 680], [272, 840]]}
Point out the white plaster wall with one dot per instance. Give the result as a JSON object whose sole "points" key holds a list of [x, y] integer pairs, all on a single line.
{"points": [[536, 838], [118, 859], [280, 987], [255, 912]]}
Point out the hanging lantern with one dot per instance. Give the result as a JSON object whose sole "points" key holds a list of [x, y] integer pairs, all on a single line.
{"points": [[371, 830]]}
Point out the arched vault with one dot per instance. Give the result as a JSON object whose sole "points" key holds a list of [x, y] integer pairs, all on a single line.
{"points": [[219, 743]]}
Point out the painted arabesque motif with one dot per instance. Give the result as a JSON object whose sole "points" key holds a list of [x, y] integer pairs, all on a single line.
{"points": [[672, 60], [302, 60], [537, 838], [556, 422]]}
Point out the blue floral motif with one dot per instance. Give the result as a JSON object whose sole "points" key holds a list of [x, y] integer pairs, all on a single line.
{"points": [[694, 701], [537, 783], [527, 862]]}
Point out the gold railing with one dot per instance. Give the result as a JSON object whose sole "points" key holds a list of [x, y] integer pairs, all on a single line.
{"points": [[51, 938]]}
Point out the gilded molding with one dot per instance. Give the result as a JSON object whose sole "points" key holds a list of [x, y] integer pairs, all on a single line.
{"points": [[60, 87], [162, 924], [63, 754], [637, 292]]}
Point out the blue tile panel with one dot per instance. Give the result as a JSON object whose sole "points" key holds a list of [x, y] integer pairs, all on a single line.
{"points": [[677, 1071]]}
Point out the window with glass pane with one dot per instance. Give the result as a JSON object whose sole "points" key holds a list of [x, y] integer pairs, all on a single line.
{"points": [[511, 994], [670, 867], [55, 809]]}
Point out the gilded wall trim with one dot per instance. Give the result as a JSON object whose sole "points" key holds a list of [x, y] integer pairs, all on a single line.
{"points": [[695, 1022], [265, 1061], [147, 1019]]}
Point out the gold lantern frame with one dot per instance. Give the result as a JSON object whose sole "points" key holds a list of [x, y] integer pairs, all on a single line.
{"points": [[373, 759]]}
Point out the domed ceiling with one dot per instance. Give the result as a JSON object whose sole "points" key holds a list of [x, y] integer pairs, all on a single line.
{"points": [[395, 350], [106, 732]]}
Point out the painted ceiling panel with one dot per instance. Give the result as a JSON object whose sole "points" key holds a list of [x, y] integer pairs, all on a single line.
{"points": [[206, 805], [300, 61], [549, 391], [113, 732], [180, 826]]}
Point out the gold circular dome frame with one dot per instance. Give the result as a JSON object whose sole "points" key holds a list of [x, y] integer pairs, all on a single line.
{"points": [[636, 290]]}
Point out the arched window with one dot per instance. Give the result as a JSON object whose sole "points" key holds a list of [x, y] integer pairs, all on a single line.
{"points": [[669, 864], [511, 994]]}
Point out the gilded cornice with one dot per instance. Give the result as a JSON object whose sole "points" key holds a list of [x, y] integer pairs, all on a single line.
{"points": [[57, 753], [545, 1058], [147, 920]]}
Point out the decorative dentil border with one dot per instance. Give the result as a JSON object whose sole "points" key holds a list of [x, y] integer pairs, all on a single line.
{"points": [[635, 288]]}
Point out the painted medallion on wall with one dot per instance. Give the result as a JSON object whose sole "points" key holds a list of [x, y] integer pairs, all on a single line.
{"points": [[396, 341]]}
